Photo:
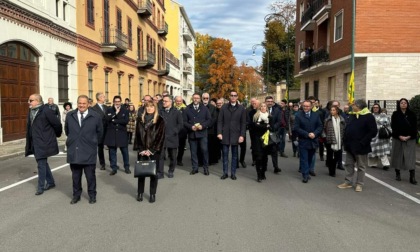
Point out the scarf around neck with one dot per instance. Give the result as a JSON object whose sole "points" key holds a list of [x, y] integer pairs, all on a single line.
{"points": [[364, 111]]}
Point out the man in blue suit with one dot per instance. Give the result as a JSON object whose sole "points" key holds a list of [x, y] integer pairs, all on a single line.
{"points": [[308, 127]]}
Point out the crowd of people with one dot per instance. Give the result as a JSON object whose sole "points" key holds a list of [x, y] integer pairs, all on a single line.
{"points": [[216, 130]]}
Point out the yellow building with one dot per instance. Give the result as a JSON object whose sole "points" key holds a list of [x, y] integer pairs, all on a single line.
{"points": [[121, 48]]}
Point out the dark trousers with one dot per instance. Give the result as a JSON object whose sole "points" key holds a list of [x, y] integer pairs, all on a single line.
{"points": [[113, 157], [261, 162], [272, 150], [243, 150], [130, 137], [306, 158], [153, 179], [332, 158], [181, 147], [77, 172], [194, 145], [213, 148], [321, 149], [282, 137], [101, 155], [171, 156], [234, 162], [44, 174]]}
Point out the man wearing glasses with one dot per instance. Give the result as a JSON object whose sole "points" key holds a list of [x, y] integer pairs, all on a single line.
{"points": [[231, 130], [42, 130], [116, 134]]}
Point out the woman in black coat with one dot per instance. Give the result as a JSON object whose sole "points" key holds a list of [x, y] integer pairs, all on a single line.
{"points": [[149, 139], [260, 124]]}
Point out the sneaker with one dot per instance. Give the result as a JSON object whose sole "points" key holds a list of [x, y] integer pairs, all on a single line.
{"points": [[344, 186], [358, 188]]}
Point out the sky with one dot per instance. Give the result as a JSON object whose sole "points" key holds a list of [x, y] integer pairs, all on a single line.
{"points": [[240, 21]]}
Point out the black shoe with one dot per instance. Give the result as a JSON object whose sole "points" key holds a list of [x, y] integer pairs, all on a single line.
{"points": [[283, 155], [152, 198], [253, 163], [398, 175], [225, 176], [243, 164], [112, 173], [332, 175], [161, 176], [277, 170], [321, 158], [92, 200], [39, 192], [312, 173], [128, 171], [74, 200], [170, 175], [140, 197], [263, 176], [179, 163], [340, 168], [193, 172], [305, 180], [102, 167], [386, 168], [233, 177], [206, 172], [48, 187]]}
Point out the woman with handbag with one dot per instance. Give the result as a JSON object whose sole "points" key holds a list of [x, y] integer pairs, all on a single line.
{"points": [[380, 145], [334, 131], [404, 133], [260, 125], [149, 138]]}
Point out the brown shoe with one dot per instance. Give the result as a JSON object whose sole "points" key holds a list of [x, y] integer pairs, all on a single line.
{"points": [[358, 188], [344, 186]]}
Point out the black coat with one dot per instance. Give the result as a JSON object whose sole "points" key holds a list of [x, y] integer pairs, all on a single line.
{"points": [[102, 114], [182, 134], [303, 126], [258, 130], [116, 132], [42, 133], [173, 125], [231, 123], [359, 133], [82, 142], [149, 136], [404, 124], [213, 113], [192, 116]]}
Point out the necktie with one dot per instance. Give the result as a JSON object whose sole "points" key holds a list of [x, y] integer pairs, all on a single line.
{"points": [[167, 110], [81, 118], [195, 107], [270, 110], [307, 115]]}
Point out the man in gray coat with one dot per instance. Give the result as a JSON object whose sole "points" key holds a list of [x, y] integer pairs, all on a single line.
{"points": [[84, 130], [231, 130]]}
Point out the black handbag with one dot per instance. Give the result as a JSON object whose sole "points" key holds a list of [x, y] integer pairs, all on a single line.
{"points": [[273, 138], [384, 133], [145, 168]]}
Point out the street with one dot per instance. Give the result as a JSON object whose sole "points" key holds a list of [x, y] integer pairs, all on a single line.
{"points": [[204, 213]]}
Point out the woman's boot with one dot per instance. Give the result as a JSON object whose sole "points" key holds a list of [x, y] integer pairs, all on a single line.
{"points": [[413, 177], [397, 175]]}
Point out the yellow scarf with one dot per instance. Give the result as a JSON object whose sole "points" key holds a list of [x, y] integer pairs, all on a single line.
{"points": [[315, 109], [180, 107], [364, 111]]}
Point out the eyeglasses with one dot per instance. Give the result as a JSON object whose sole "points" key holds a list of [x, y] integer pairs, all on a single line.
{"points": [[165, 101], [30, 101], [233, 95], [205, 98]]}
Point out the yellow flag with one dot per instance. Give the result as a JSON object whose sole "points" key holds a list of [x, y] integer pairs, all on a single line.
{"points": [[350, 89], [286, 95]]}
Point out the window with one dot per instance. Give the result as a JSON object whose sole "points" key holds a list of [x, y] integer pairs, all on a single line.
{"points": [[106, 21], [306, 90], [338, 30], [57, 2], [63, 80], [331, 88], [316, 89], [90, 12], [119, 84], [129, 33], [90, 82], [106, 85], [129, 86], [64, 11], [119, 20]]}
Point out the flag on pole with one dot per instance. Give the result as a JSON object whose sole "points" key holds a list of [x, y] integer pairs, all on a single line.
{"points": [[286, 95], [350, 89]]}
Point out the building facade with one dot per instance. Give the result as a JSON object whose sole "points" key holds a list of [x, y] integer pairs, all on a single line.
{"points": [[387, 55], [37, 55]]}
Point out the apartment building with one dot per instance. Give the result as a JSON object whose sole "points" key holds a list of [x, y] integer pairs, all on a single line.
{"points": [[37, 55], [181, 44], [387, 52]]}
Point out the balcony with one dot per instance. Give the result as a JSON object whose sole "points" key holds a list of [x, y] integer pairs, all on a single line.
{"points": [[187, 69], [163, 29], [164, 71], [145, 59], [307, 23], [320, 7], [316, 58], [113, 42], [187, 34], [187, 52], [145, 8], [187, 86]]}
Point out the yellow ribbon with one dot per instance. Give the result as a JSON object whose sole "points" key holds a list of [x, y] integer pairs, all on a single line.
{"points": [[265, 137], [364, 111]]}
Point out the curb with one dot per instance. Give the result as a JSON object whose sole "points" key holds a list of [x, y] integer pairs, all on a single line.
{"points": [[9, 156]]}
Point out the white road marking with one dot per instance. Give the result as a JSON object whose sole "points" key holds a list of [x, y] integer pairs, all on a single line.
{"points": [[28, 179]]}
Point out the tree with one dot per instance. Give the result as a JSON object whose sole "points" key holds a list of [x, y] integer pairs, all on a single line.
{"points": [[203, 59]]}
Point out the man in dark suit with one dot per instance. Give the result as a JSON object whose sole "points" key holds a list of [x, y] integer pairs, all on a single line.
{"points": [[100, 108], [231, 130], [274, 111], [42, 129], [173, 125], [116, 134], [197, 119], [211, 131], [84, 130], [182, 134], [308, 126]]}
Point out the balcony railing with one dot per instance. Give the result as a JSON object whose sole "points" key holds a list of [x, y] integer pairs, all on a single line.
{"points": [[307, 16], [187, 52], [320, 7], [163, 30], [145, 59], [187, 69], [145, 8], [315, 58], [164, 71], [113, 41], [186, 34]]}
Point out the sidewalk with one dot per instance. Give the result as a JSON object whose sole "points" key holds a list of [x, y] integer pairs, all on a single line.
{"points": [[17, 148]]}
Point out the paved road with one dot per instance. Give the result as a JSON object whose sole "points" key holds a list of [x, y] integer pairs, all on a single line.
{"points": [[204, 213]]}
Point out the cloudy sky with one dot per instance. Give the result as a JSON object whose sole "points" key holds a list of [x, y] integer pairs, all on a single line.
{"points": [[240, 21]]}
